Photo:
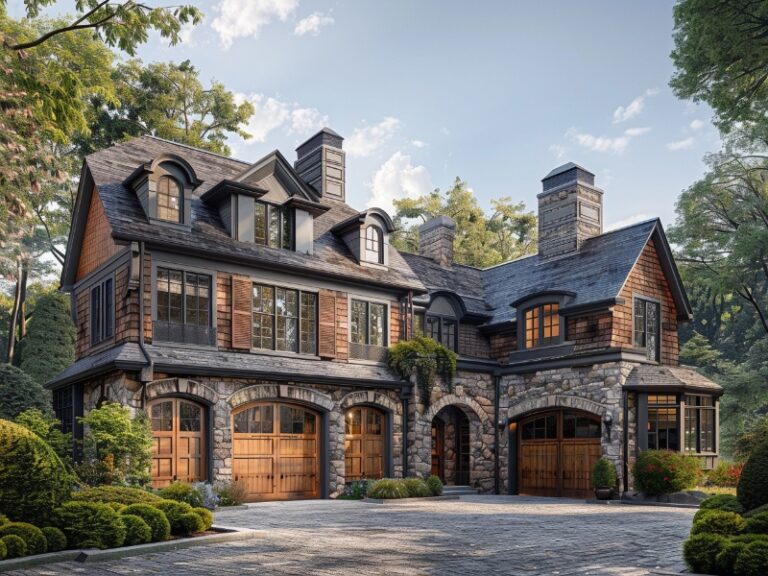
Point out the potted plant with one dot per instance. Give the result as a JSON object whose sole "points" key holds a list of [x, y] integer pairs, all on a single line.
{"points": [[603, 479]]}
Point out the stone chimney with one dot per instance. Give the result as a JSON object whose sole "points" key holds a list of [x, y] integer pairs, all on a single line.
{"points": [[570, 210], [320, 162], [436, 240]]}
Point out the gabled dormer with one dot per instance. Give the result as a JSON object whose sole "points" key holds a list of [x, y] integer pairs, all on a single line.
{"points": [[164, 188], [367, 236]]}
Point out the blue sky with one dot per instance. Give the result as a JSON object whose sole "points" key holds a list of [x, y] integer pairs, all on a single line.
{"points": [[497, 93]]}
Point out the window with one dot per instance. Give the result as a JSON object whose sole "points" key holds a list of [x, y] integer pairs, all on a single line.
{"points": [[102, 311], [63, 408], [542, 326], [442, 330], [699, 423], [646, 328], [284, 319], [662, 422], [368, 324], [273, 226], [184, 307], [169, 199], [374, 246]]}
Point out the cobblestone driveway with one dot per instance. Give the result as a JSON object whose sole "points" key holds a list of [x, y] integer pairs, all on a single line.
{"points": [[474, 536]]}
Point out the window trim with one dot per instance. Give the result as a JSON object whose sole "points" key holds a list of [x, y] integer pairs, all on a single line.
{"points": [[283, 213], [652, 300], [698, 410], [368, 302], [539, 343], [441, 320], [104, 319], [300, 292], [378, 241], [181, 208]]}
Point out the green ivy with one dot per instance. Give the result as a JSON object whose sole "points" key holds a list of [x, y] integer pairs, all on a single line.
{"points": [[426, 358]]}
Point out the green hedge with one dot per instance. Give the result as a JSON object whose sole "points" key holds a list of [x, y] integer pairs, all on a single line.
{"points": [[752, 560], [155, 519], [206, 516], [752, 490], [757, 524], [118, 494], [3, 550], [55, 538], [665, 472], [14, 546], [174, 511], [720, 522], [136, 530], [182, 493], [435, 485], [32, 535], [89, 525], [701, 550]]}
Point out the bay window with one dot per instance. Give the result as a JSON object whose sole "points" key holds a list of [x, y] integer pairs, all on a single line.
{"points": [[700, 419], [663, 410]]}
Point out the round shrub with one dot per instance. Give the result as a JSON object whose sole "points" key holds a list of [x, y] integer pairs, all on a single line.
{"points": [[756, 511], [3, 550], [603, 474], [722, 502], [701, 512], [182, 493], [34, 481], [749, 538], [664, 472], [90, 523], [757, 524], [119, 494], [14, 546], [54, 538], [751, 490], [189, 523], [435, 485], [389, 489], [753, 560], [726, 559], [136, 530], [116, 506], [417, 488], [32, 535], [174, 510], [205, 515], [700, 552], [19, 392], [3, 519], [719, 522], [155, 519]]}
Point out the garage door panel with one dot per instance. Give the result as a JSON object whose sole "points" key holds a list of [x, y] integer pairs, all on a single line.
{"points": [[177, 443], [364, 443], [539, 467]]}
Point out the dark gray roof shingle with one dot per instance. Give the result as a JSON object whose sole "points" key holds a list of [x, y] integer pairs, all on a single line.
{"points": [[648, 377], [126, 356]]}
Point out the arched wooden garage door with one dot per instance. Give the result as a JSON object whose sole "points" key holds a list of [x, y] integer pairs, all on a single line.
{"points": [[558, 450], [276, 451], [178, 441], [364, 443]]}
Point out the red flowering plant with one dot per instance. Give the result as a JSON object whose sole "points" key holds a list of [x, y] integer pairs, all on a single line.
{"points": [[725, 474], [664, 472]]}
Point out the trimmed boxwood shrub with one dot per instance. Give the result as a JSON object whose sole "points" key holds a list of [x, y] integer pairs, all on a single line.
{"points": [[719, 522], [701, 512], [751, 490], [389, 489], [3, 519], [756, 511], [205, 515], [174, 510], [32, 535], [136, 530], [89, 524], [753, 560], [33, 480], [54, 538], [417, 488], [14, 546], [155, 519], [435, 485], [700, 552], [182, 493], [120, 494], [722, 502], [664, 472], [3, 550], [189, 523], [726, 559], [757, 524], [603, 474], [116, 506], [749, 538]]}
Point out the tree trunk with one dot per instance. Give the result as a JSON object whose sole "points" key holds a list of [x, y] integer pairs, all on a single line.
{"points": [[23, 300], [14, 320]]}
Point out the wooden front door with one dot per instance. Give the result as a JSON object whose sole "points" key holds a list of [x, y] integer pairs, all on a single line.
{"points": [[276, 451], [178, 445], [558, 450], [364, 444], [438, 443]]}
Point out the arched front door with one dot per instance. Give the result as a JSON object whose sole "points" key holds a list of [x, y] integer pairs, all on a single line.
{"points": [[364, 427], [178, 441], [558, 450], [276, 451]]}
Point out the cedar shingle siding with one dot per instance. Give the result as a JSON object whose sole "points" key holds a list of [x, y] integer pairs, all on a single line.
{"points": [[98, 245]]}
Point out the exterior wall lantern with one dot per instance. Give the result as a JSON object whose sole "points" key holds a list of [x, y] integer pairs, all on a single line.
{"points": [[608, 423]]}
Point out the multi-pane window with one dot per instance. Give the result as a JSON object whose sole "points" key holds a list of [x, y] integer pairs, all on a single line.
{"points": [[542, 326], [368, 323], [699, 423], [662, 422], [169, 199], [646, 328], [442, 330], [102, 311], [256, 420], [296, 421], [284, 319], [374, 246], [184, 307], [63, 408], [273, 226]]}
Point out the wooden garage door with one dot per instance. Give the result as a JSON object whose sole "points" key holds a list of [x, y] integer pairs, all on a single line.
{"points": [[276, 451], [364, 443], [178, 445], [557, 453]]}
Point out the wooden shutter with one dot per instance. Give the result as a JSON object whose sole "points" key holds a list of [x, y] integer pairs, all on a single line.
{"points": [[327, 323], [242, 323]]}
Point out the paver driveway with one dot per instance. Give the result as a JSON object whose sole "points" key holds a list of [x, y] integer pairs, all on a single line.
{"points": [[476, 535]]}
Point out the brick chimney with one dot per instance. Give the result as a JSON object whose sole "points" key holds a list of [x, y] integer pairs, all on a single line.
{"points": [[436, 240], [570, 210], [321, 163]]}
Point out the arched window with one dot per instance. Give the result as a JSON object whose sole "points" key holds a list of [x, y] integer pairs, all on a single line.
{"points": [[441, 323], [374, 246], [169, 199], [542, 325]]}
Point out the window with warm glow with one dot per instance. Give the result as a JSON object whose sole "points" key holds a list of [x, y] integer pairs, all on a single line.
{"points": [[542, 326]]}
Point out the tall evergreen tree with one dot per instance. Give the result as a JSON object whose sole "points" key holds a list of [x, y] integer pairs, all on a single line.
{"points": [[49, 346]]}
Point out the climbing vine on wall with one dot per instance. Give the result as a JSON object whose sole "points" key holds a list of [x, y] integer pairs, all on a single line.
{"points": [[426, 358]]}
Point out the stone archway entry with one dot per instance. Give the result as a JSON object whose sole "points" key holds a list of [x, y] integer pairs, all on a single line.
{"points": [[178, 441], [557, 451], [451, 446]]}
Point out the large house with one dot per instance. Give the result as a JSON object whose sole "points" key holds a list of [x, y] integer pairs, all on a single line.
{"points": [[248, 308]]}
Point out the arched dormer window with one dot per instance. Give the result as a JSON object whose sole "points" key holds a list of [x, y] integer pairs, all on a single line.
{"points": [[170, 199], [374, 245], [441, 323], [542, 325]]}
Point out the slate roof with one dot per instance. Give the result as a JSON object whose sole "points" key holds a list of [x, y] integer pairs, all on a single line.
{"points": [[647, 377], [111, 166], [125, 356]]}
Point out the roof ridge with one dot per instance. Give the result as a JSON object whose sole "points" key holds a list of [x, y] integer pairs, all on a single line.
{"points": [[190, 147], [405, 253]]}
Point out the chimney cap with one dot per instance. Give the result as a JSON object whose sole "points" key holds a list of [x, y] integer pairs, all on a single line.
{"points": [[326, 136], [565, 168], [446, 221]]}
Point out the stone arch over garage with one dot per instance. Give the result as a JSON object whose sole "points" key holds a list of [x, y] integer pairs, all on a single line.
{"points": [[296, 394], [368, 397], [178, 387], [552, 402]]}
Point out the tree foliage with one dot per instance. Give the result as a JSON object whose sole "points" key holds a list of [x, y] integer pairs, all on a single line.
{"points": [[47, 427], [49, 347], [19, 392]]}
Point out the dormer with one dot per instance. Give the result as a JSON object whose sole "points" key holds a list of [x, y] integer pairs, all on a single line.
{"points": [[164, 188], [367, 236], [539, 321]]}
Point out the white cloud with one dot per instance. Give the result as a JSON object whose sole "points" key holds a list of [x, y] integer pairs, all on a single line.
{"points": [[396, 179], [624, 113], [185, 35], [627, 221], [418, 144], [305, 120], [599, 143], [637, 131], [312, 24], [697, 124], [365, 141], [271, 114], [246, 18], [681, 144], [559, 151]]}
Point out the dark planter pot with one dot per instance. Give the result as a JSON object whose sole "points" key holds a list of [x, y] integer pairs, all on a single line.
{"points": [[604, 493]]}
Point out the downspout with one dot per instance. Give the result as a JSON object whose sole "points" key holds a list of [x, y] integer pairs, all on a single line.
{"points": [[496, 425], [150, 369], [626, 441], [405, 394]]}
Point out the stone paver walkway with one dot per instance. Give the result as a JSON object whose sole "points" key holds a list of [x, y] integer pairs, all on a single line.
{"points": [[474, 536]]}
